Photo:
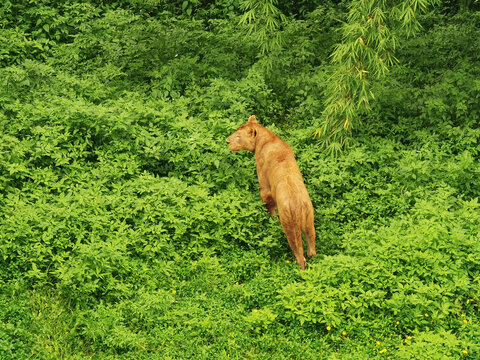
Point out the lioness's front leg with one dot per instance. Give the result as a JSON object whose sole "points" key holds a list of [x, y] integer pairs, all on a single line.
{"points": [[271, 206], [269, 201]]}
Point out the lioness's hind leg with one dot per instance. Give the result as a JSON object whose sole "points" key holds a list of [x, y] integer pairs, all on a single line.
{"points": [[294, 237]]}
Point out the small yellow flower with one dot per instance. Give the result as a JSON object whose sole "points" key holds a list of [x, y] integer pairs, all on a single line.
{"points": [[426, 314], [465, 321], [463, 315], [409, 337], [329, 328], [344, 333], [209, 163], [35, 42], [29, 39], [46, 346], [378, 342], [383, 351], [255, 310], [31, 259], [398, 322], [174, 291], [465, 352], [287, 261], [6, 302], [405, 341]]}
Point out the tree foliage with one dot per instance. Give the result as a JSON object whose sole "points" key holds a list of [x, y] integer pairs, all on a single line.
{"points": [[264, 20], [366, 52]]}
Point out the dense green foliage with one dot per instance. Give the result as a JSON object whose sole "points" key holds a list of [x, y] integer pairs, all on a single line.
{"points": [[128, 230]]}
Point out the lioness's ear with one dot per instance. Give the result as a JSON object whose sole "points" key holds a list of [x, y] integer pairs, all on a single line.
{"points": [[252, 119]]}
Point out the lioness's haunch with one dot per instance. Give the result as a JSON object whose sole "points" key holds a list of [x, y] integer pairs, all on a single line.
{"points": [[281, 184]]}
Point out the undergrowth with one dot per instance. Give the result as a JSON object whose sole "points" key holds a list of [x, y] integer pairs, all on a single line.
{"points": [[130, 231]]}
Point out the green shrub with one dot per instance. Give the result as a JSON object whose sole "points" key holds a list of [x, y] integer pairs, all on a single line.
{"points": [[404, 272]]}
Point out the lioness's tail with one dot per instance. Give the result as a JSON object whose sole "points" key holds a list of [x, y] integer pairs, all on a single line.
{"points": [[290, 213], [308, 227]]}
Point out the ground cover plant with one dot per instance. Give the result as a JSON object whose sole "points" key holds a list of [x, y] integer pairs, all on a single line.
{"points": [[128, 229]]}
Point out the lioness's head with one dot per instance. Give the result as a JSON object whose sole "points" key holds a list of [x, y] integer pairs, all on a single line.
{"points": [[244, 137]]}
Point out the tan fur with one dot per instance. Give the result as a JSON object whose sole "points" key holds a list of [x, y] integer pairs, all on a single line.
{"points": [[281, 184]]}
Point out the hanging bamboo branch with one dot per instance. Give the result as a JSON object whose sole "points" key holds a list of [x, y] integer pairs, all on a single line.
{"points": [[365, 55]]}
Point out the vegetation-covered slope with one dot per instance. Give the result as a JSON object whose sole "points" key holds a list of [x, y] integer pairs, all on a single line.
{"points": [[128, 230]]}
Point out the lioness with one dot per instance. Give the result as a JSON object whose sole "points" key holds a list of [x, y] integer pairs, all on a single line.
{"points": [[281, 184]]}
